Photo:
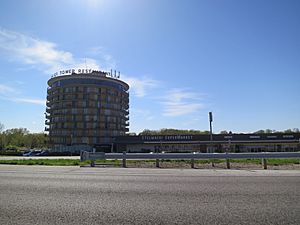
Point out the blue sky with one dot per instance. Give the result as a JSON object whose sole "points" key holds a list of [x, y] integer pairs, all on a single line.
{"points": [[239, 59]]}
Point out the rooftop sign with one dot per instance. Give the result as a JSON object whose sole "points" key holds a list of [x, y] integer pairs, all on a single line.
{"points": [[85, 71]]}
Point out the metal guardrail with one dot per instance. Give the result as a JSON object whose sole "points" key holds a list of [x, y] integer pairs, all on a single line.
{"points": [[192, 156]]}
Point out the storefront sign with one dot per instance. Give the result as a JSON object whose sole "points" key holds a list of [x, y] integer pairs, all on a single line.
{"points": [[167, 137]]}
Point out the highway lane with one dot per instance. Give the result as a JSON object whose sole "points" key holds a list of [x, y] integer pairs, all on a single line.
{"points": [[73, 195]]}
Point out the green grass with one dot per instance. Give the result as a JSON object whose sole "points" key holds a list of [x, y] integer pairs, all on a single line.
{"points": [[272, 162], [76, 162], [277, 162], [58, 162], [46, 162], [244, 161]]}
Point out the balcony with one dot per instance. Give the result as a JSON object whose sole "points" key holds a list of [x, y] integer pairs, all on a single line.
{"points": [[47, 115], [48, 109], [126, 112], [47, 122], [46, 128]]}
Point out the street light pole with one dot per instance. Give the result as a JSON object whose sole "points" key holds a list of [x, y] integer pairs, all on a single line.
{"points": [[211, 136], [210, 126]]}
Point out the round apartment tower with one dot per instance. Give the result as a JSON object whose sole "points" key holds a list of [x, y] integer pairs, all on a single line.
{"points": [[86, 110]]}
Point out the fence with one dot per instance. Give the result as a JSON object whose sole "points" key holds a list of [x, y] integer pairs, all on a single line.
{"points": [[191, 156]]}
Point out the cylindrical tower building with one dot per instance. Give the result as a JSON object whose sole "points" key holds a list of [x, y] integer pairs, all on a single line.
{"points": [[86, 110]]}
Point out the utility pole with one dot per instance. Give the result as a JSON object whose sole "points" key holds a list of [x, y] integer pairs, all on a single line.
{"points": [[211, 136], [210, 125]]}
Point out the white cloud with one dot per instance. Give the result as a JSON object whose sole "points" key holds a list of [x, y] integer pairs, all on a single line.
{"points": [[11, 94], [45, 56], [32, 51], [86, 63], [140, 86], [178, 102], [4, 90], [142, 113], [106, 60], [30, 100]]}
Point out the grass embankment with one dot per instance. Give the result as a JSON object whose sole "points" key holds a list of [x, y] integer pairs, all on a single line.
{"points": [[46, 162], [271, 162], [76, 162]]}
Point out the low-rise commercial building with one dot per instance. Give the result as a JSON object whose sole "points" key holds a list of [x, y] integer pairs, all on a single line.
{"points": [[202, 143]]}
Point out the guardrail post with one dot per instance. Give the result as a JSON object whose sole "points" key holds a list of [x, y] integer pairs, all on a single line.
{"points": [[157, 163], [227, 163], [193, 162], [124, 159], [92, 163], [264, 162]]}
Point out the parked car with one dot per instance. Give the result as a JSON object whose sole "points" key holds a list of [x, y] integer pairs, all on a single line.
{"points": [[43, 153], [25, 153], [32, 153]]}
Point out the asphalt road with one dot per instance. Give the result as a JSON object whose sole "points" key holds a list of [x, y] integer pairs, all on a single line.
{"points": [[73, 195]]}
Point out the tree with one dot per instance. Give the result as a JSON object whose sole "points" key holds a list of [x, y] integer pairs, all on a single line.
{"points": [[15, 136], [288, 131], [1, 136], [147, 132], [268, 131], [224, 132], [259, 132], [1, 127]]}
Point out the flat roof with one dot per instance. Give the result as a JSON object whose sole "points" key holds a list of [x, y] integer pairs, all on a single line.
{"points": [[94, 75]]}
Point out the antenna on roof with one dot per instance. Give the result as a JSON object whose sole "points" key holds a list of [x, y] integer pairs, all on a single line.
{"points": [[85, 63]]}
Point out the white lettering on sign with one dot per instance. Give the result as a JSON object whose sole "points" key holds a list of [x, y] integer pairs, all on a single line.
{"points": [[85, 71], [288, 136], [167, 137], [227, 137], [254, 137], [70, 71]]}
